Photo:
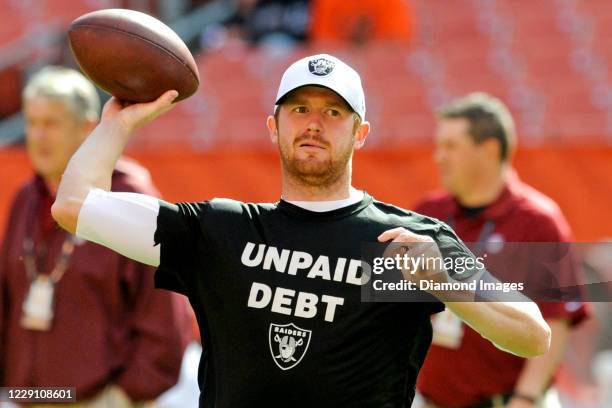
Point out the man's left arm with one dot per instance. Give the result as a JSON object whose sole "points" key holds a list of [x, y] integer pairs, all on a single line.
{"points": [[516, 327], [159, 328], [3, 306], [537, 372]]}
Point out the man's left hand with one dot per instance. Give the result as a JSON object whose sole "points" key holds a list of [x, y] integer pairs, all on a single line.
{"points": [[407, 245]]}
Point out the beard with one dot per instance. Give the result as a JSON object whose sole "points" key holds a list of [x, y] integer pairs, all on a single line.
{"points": [[316, 172]]}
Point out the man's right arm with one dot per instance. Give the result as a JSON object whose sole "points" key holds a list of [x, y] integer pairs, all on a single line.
{"points": [[92, 165]]}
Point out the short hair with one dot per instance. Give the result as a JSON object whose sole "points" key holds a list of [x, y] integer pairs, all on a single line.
{"points": [[488, 118], [68, 86]]}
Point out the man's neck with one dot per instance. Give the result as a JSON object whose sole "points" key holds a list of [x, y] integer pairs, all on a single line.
{"points": [[51, 183], [486, 192], [296, 190]]}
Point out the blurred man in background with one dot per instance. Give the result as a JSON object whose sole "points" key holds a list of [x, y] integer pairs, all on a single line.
{"points": [[488, 205], [72, 313]]}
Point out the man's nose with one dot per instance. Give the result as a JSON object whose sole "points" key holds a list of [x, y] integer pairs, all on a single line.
{"points": [[36, 132], [315, 123]]}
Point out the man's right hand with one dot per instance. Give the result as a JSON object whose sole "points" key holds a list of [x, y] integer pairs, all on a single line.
{"points": [[129, 117], [93, 163]]}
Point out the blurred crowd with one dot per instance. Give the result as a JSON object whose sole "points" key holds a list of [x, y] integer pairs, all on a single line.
{"points": [[264, 23], [286, 23]]}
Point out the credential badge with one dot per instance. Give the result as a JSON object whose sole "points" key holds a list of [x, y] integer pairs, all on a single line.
{"points": [[288, 344], [495, 243]]}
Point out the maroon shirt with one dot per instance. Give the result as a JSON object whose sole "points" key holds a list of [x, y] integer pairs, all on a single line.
{"points": [[110, 325], [479, 370]]}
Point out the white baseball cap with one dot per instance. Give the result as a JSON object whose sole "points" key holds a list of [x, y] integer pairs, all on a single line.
{"points": [[329, 72]]}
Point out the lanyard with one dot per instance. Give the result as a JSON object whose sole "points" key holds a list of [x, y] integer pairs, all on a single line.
{"points": [[29, 250], [485, 233], [61, 265]]}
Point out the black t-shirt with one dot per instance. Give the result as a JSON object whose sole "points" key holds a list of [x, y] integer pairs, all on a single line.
{"points": [[277, 294]]}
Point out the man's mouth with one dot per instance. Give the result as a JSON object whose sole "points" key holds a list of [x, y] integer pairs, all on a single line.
{"points": [[309, 144]]}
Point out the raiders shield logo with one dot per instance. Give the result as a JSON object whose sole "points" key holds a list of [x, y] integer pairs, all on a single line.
{"points": [[321, 66], [288, 344]]}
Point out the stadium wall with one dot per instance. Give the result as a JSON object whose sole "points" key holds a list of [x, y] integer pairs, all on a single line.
{"points": [[579, 179]]}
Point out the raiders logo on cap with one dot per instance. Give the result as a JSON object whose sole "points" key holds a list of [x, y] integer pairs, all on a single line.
{"points": [[321, 66]]}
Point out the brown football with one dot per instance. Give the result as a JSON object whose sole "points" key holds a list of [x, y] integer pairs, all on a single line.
{"points": [[132, 55]]}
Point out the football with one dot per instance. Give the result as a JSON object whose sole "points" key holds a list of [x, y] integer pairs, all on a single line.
{"points": [[132, 56]]}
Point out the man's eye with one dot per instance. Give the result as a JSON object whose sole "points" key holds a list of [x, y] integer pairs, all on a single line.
{"points": [[301, 109], [333, 112]]}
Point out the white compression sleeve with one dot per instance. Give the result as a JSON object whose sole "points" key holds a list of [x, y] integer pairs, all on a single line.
{"points": [[123, 222]]}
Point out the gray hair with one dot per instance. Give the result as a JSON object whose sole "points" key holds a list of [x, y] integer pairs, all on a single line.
{"points": [[489, 119], [68, 86]]}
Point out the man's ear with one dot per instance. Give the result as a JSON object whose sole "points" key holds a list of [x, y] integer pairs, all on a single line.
{"points": [[361, 135], [492, 148], [272, 129]]}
